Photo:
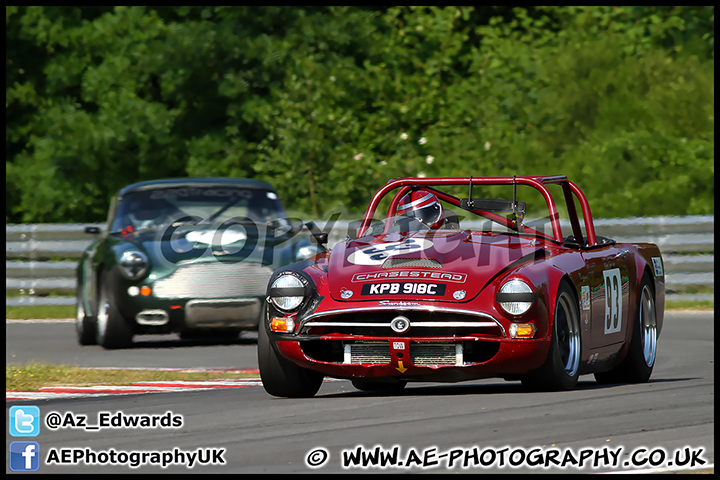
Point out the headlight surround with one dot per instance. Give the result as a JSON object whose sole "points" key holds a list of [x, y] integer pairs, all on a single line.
{"points": [[134, 264], [516, 297], [287, 292]]}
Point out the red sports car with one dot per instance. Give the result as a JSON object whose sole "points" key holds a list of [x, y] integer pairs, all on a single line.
{"points": [[466, 278]]}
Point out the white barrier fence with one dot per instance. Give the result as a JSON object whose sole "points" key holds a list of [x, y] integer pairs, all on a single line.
{"points": [[34, 277]]}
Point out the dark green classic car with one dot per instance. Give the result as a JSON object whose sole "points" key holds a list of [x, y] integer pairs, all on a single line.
{"points": [[191, 256]]}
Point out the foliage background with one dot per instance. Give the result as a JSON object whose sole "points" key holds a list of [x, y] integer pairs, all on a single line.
{"points": [[328, 103]]}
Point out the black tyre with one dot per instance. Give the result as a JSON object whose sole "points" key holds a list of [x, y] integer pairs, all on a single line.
{"points": [[112, 331], [640, 360], [365, 384], [84, 323], [280, 377], [561, 368]]}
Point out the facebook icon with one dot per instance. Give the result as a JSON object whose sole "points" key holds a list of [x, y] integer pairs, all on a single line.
{"points": [[24, 456]]}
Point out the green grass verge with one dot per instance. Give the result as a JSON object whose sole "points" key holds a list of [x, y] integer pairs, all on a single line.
{"points": [[33, 376], [690, 305], [39, 311]]}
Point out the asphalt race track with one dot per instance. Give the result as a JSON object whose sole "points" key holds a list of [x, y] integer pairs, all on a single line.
{"points": [[474, 427]]}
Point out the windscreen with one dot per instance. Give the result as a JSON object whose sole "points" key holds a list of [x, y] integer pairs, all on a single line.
{"points": [[160, 207]]}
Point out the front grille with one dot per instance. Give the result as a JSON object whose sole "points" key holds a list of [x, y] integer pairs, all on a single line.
{"points": [[436, 354], [421, 353], [214, 280], [226, 312], [367, 352]]}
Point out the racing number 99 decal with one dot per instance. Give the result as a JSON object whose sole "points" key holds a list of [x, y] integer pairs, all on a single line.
{"points": [[613, 301], [377, 254]]}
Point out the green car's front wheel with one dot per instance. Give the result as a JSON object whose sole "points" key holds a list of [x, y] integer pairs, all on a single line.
{"points": [[112, 331], [84, 323]]}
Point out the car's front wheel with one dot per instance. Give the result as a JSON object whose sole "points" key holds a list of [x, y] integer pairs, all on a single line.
{"points": [[561, 368], [280, 377], [112, 331], [84, 323]]}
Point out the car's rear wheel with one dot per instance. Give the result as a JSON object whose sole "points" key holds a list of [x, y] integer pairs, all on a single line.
{"points": [[84, 323], [640, 360], [280, 377], [112, 331], [561, 368]]}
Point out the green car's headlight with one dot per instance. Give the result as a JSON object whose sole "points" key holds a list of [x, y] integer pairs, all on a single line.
{"points": [[133, 264], [287, 292]]}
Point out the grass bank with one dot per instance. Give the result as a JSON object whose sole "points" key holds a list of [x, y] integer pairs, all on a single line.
{"points": [[33, 376]]}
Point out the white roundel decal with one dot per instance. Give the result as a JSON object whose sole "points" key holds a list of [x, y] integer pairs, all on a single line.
{"points": [[377, 254], [209, 237]]}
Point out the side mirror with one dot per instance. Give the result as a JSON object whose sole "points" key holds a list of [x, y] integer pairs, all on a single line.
{"points": [[320, 238], [284, 226], [92, 230]]}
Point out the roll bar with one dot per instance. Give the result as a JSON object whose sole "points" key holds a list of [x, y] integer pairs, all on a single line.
{"points": [[538, 182]]}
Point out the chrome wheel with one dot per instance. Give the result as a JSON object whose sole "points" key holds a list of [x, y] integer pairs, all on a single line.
{"points": [[79, 317], [648, 326], [102, 318], [562, 365], [642, 352], [568, 334]]}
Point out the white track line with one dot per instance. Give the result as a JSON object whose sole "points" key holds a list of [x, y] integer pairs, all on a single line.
{"points": [[48, 393]]}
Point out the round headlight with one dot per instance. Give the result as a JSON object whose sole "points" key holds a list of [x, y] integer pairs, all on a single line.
{"points": [[516, 297], [287, 292], [133, 264]]}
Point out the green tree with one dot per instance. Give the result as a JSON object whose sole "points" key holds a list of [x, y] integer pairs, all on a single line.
{"points": [[329, 103]]}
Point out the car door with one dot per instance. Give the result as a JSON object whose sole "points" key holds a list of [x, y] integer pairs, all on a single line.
{"points": [[609, 273]]}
